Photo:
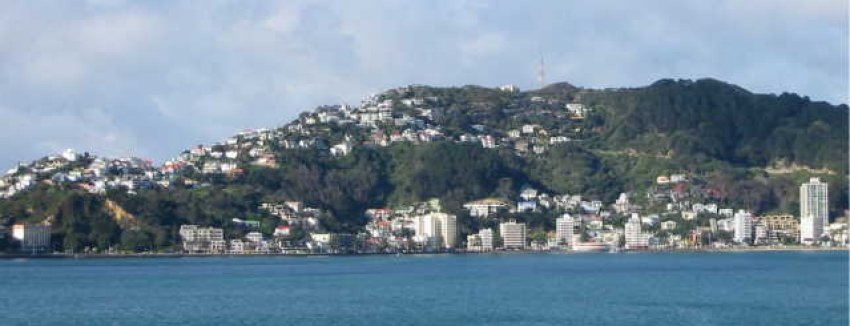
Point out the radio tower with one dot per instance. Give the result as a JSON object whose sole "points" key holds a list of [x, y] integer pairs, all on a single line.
{"points": [[541, 73]]}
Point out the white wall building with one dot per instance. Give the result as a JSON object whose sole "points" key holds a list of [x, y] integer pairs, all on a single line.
{"points": [[814, 210], [564, 229], [726, 225], [486, 236], [485, 207], [473, 242], [254, 237], [202, 239], [436, 230], [743, 224], [635, 238], [622, 205], [513, 235]]}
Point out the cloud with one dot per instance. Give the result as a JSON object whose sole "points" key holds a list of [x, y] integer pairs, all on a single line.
{"points": [[93, 127], [285, 20], [484, 45], [66, 53], [152, 78]]}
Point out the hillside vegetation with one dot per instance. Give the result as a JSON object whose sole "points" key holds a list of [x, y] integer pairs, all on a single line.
{"points": [[718, 134]]}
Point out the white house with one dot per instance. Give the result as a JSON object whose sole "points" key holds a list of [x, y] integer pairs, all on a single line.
{"points": [[485, 207]]}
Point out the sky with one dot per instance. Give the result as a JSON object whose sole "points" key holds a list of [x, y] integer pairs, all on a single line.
{"points": [[151, 78]]}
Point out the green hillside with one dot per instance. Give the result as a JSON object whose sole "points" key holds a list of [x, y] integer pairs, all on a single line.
{"points": [[742, 149]]}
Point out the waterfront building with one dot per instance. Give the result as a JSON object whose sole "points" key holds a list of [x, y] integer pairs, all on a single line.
{"points": [[838, 233], [762, 233], [743, 224], [332, 242], [781, 225], [726, 225], [473, 242], [436, 230], [564, 229], [33, 237], [202, 239], [513, 235], [814, 210], [635, 238], [237, 246], [486, 236], [254, 237]]}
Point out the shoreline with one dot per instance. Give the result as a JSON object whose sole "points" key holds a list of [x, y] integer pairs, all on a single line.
{"points": [[459, 253]]}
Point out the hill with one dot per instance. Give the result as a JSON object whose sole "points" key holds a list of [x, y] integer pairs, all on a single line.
{"points": [[411, 144]]}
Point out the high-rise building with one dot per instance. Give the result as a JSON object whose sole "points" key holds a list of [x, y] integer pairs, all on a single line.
{"points": [[814, 210], [513, 235], [743, 224], [426, 231], [486, 236], [564, 229], [437, 230], [635, 238]]}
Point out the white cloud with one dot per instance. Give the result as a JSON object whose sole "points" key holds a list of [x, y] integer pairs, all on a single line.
{"points": [[484, 45], [113, 34], [86, 130], [54, 70], [285, 20], [65, 53], [166, 75]]}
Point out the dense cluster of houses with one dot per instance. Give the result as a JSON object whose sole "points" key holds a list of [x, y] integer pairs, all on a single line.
{"points": [[391, 119], [380, 121], [94, 174], [581, 225], [396, 116]]}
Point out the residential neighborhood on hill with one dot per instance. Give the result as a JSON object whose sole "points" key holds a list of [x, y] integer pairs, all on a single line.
{"points": [[424, 169]]}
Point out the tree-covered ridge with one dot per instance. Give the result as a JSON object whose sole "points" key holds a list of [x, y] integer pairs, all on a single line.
{"points": [[720, 135], [711, 120]]}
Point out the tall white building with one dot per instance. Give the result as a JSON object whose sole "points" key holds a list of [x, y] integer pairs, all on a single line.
{"points": [[481, 241], [814, 210], [448, 230], [513, 235], [564, 229], [635, 238], [437, 230], [486, 237], [743, 224]]}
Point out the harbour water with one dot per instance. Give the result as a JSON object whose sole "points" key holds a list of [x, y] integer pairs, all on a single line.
{"points": [[746, 288]]}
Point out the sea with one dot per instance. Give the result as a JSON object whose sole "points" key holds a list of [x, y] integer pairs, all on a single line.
{"points": [[705, 288]]}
